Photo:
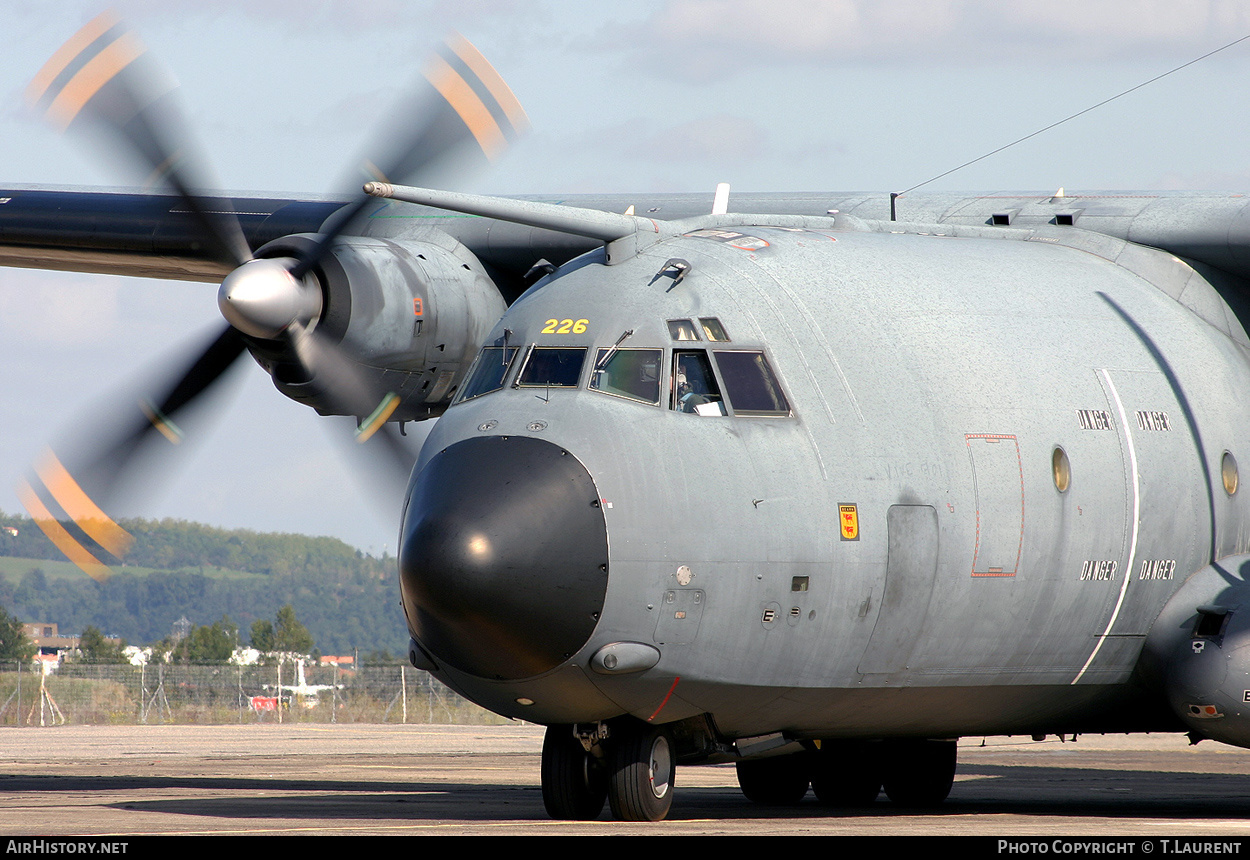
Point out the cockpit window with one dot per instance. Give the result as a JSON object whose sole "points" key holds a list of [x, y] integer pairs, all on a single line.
{"points": [[694, 384], [713, 330], [488, 372], [682, 330], [751, 385], [552, 367], [632, 373]]}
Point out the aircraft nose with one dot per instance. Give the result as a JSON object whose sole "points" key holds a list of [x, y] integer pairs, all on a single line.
{"points": [[503, 556]]}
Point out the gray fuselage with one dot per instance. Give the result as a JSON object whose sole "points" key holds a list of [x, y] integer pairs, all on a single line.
{"points": [[895, 556]]}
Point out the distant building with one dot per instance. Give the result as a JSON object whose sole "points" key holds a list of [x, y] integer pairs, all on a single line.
{"points": [[182, 628], [39, 628], [48, 639], [341, 662]]}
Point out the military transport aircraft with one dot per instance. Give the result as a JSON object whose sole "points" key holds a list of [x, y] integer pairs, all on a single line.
{"points": [[771, 480]]}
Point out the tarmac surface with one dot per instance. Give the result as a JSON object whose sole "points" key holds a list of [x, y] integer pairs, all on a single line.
{"points": [[356, 779]]}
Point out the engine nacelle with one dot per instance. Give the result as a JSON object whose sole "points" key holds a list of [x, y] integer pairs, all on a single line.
{"points": [[1199, 651], [412, 314]]}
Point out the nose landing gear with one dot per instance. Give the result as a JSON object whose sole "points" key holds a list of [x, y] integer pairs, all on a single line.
{"points": [[632, 768]]}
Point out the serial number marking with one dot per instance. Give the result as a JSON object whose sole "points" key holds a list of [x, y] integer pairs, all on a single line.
{"points": [[1153, 421], [909, 471], [1098, 569], [1157, 568], [566, 326], [1093, 419]]}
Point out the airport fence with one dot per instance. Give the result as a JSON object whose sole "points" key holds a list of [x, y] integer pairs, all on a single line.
{"points": [[86, 694]]}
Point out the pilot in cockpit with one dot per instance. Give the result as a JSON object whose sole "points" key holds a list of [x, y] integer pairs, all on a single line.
{"points": [[695, 386]]}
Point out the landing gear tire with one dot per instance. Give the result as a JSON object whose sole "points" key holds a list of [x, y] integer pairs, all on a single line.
{"points": [[575, 784], [640, 787], [847, 773], [919, 773], [778, 781]]}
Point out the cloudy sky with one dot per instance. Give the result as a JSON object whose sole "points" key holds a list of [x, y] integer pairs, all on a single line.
{"points": [[653, 95]]}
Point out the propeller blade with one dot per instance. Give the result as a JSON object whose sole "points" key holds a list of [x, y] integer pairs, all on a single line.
{"points": [[351, 393], [382, 465], [69, 507], [207, 368], [463, 107], [104, 77], [86, 530], [475, 110], [345, 385]]}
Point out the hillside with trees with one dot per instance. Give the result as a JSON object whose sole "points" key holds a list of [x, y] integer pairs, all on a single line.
{"points": [[346, 599]]}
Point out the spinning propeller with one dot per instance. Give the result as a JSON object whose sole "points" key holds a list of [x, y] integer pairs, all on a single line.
{"points": [[103, 77]]}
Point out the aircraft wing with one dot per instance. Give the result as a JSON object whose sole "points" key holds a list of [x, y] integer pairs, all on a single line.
{"points": [[147, 235], [154, 236], [1212, 228]]}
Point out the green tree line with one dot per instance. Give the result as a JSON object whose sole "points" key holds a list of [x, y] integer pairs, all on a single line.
{"points": [[175, 544], [346, 599]]}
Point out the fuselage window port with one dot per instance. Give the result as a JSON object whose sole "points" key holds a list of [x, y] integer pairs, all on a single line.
{"points": [[552, 367], [682, 330], [1228, 472], [1061, 469], [694, 384], [630, 373], [751, 385], [488, 372], [713, 330]]}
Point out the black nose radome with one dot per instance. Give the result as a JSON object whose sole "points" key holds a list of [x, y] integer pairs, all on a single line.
{"points": [[503, 557]]}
